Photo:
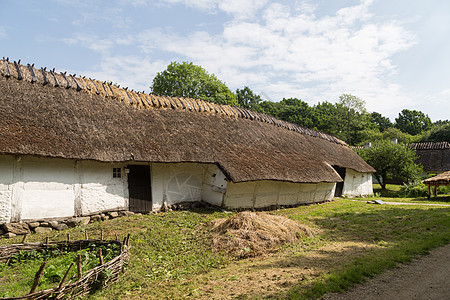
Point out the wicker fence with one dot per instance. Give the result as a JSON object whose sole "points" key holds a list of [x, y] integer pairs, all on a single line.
{"points": [[82, 284]]}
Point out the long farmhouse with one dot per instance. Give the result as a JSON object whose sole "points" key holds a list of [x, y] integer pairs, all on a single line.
{"points": [[74, 146]]}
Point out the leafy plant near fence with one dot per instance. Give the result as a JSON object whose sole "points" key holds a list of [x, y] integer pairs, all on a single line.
{"points": [[46, 267]]}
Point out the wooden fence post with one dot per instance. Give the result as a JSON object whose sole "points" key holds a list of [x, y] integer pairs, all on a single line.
{"points": [[65, 276], [37, 277], [79, 266]]}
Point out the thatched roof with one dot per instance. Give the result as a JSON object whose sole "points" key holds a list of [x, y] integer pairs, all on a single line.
{"points": [[440, 179], [57, 115]]}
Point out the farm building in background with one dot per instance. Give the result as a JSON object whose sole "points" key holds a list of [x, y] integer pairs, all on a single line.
{"points": [[433, 157], [73, 146]]}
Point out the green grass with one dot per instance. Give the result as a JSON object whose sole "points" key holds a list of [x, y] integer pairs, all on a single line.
{"points": [[171, 255], [403, 232], [390, 194], [19, 271]]}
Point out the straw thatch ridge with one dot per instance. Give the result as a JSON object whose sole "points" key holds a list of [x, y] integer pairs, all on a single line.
{"points": [[429, 145], [141, 100], [58, 115], [440, 179]]}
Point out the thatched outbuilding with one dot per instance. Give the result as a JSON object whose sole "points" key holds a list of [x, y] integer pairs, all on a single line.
{"points": [[434, 157], [75, 146], [440, 179]]}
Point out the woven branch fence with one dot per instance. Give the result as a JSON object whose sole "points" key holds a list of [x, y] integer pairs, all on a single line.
{"points": [[83, 284]]}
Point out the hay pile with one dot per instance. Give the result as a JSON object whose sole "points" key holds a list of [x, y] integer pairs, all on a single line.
{"points": [[249, 234]]}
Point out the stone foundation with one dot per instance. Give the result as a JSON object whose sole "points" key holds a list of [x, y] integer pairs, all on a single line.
{"points": [[9, 230]]}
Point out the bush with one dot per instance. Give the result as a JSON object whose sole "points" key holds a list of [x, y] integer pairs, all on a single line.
{"points": [[444, 189], [413, 190]]}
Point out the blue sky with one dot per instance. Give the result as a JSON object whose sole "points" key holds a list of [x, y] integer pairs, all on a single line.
{"points": [[393, 54]]}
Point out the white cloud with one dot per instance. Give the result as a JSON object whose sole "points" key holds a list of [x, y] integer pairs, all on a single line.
{"points": [[239, 9], [285, 52], [133, 71], [3, 33], [98, 44]]}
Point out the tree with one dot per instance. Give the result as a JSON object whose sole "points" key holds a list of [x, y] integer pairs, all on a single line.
{"points": [[401, 137], [439, 133], [325, 119], [382, 123], [188, 80], [391, 161], [270, 108], [296, 111], [353, 116], [413, 122], [247, 99]]}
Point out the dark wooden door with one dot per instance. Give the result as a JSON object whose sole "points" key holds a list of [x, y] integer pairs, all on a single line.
{"points": [[139, 189], [339, 185]]}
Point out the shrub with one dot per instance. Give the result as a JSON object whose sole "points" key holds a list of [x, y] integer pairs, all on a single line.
{"points": [[413, 190]]}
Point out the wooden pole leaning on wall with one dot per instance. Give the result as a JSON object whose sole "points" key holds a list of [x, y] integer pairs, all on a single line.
{"points": [[38, 277], [86, 236]]}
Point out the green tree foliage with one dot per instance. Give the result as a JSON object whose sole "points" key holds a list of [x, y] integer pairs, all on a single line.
{"points": [[441, 122], [353, 117], [296, 111], [247, 99], [325, 119], [413, 122], [373, 135], [382, 123], [439, 133], [391, 161], [270, 108], [188, 80]]}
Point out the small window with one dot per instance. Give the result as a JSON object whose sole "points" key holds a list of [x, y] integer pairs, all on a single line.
{"points": [[117, 173]]}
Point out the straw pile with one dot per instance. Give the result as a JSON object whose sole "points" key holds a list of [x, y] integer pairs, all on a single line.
{"points": [[249, 234]]}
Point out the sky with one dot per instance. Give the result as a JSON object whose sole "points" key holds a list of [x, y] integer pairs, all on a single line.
{"points": [[393, 54]]}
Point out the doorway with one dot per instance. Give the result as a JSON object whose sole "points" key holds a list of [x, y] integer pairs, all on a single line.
{"points": [[139, 188], [339, 185]]}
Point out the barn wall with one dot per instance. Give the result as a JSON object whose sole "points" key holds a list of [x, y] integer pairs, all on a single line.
{"points": [[37, 188], [265, 193], [214, 185], [357, 184], [6, 184], [99, 190], [47, 188], [186, 182]]}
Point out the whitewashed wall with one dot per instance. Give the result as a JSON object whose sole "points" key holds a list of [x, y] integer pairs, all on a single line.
{"points": [[264, 193], [357, 184], [99, 191], [6, 184], [38, 188], [47, 190], [186, 182]]}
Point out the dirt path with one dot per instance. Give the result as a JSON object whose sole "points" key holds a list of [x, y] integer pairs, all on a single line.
{"points": [[425, 278]]}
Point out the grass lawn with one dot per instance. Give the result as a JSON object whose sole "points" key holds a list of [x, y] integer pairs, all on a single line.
{"points": [[389, 195], [172, 257]]}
